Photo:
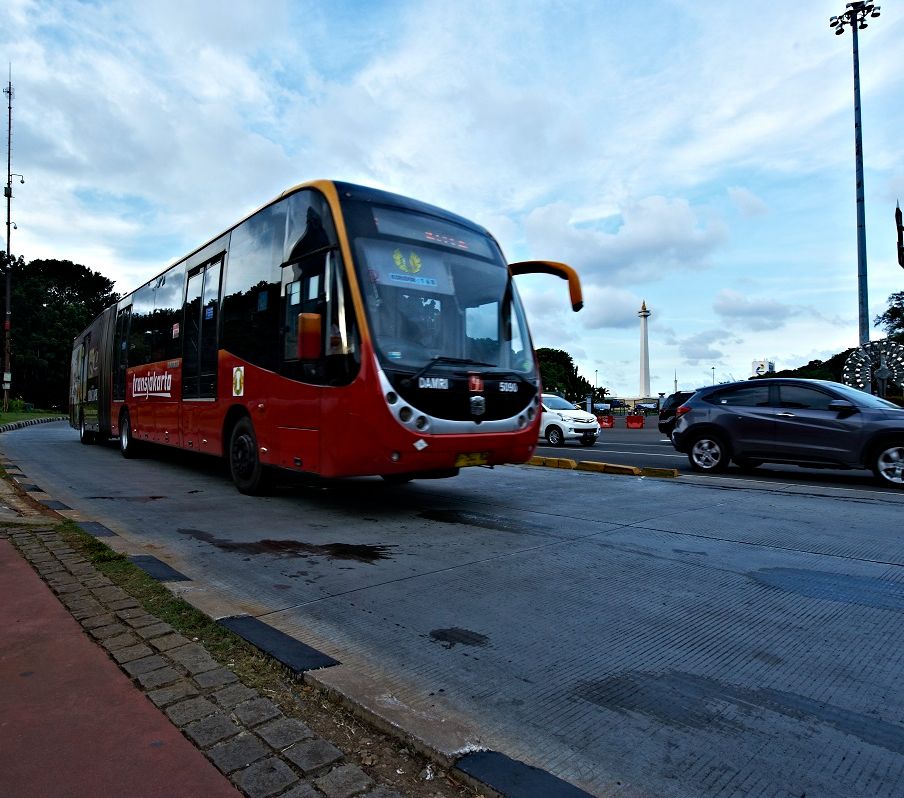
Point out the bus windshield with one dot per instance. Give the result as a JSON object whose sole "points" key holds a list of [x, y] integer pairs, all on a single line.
{"points": [[437, 291]]}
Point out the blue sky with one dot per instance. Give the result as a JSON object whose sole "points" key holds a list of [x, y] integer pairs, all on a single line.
{"points": [[695, 155]]}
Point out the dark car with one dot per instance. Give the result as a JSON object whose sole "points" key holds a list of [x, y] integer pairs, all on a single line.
{"points": [[667, 410], [803, 422]]}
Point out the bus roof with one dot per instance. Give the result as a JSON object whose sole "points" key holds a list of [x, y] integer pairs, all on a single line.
{"points": [[349, 191]]}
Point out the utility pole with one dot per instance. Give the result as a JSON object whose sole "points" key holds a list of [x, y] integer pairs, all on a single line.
{"points": [[899, 223], [855, 17], [8, 191]]}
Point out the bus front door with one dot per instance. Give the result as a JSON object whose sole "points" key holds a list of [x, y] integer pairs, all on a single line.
{"points": [[200, 427]]}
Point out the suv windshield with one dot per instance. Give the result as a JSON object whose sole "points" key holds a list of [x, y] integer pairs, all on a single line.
{"points": [[862, 398], [557, 403], [435, 290]]}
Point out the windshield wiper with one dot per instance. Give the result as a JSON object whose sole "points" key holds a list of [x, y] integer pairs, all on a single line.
{"points": [[434, 361]]}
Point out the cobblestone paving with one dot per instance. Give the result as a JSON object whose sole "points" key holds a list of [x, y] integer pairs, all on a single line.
{"points": [[263, 752]]}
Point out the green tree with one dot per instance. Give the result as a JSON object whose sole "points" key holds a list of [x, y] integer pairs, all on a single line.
{"points": [[52, 301], [892, 321], [560, 375]]}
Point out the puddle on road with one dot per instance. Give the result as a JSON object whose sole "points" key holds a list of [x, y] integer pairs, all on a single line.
{"points": [[482, 521], [451, 637], [368, 554], [846, 588], [140, 499]]}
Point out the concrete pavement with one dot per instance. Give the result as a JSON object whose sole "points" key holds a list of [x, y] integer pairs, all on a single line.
{"points": [[77, 670]]}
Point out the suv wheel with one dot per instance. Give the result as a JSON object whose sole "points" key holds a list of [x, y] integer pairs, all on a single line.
{"points": [[888, 464], [708, 453], [554, 435]]}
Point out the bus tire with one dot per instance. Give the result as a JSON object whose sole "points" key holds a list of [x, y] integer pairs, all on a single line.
{"points": [[248, 473], [84, 435], [128, 446]]}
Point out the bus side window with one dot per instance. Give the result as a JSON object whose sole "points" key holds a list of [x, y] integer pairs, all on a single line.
{"points": [[121, 353], [251, 290], [315, 296], [303, 296]]}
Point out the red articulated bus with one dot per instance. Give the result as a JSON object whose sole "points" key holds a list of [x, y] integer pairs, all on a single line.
{"points": [[339, 331]]}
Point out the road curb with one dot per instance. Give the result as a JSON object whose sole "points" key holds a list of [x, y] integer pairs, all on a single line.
{"points": [[602, 468], [14, 425]]}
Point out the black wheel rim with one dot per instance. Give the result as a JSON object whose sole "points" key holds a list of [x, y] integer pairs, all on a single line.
{"points": [[243, 456]]}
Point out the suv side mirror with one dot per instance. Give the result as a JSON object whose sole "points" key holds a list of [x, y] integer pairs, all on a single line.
{"points": [[843, 406]]}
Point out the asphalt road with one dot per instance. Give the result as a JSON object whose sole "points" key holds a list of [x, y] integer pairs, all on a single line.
{"points": [[633, 636]]}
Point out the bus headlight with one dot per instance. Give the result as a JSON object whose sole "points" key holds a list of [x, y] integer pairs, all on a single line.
{"points": [[405, 414]]}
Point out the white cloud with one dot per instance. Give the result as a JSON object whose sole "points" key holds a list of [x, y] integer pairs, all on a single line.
{"points": [[655, 236], [706, 345], [755, 314]]}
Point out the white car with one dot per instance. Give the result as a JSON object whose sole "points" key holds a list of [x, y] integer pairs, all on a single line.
{"points": [[562, 421]]}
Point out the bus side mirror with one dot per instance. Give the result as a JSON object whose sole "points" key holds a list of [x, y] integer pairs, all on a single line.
{"points": [[309, 336], [559, 270]]}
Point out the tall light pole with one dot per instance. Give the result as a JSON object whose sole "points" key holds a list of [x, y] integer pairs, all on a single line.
{"points": [[899, 223], [855, 17], [8, 191]]}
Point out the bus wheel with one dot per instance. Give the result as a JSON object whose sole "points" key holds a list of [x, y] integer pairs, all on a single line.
{"points": [[128, 446], [84, 435], [248, 473]]}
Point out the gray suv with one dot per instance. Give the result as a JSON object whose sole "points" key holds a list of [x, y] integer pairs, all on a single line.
{"points": [[804, 422]]}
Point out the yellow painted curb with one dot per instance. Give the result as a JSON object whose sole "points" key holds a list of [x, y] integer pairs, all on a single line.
{"points": [[591, 465], [614, 468], [602, 468], [660, 472]]}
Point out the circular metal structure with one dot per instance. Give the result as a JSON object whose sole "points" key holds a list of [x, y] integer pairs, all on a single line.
{"points": [[862, 364]]}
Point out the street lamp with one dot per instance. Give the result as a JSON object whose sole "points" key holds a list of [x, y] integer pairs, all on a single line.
{"points": [[10, 225], [855, 17], [714, 375], [899, 223]]}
